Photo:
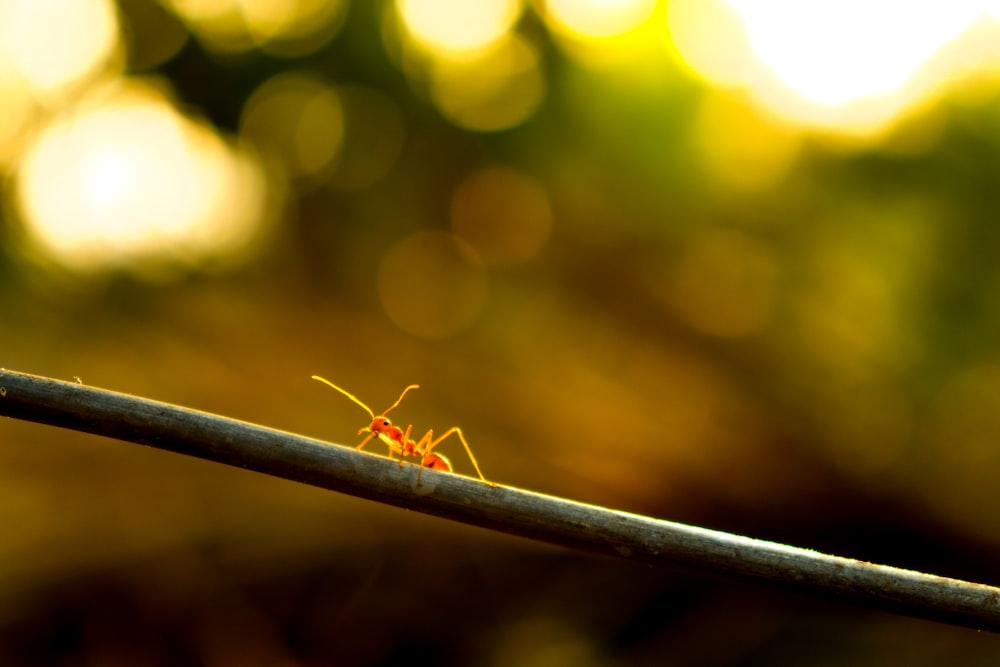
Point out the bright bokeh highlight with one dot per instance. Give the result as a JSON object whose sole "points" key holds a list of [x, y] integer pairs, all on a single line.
{"points": [[598, 19], [835, 51], [292, 28], [851, 67], [452, 27], [710, 38], [56, 44], [477, 70], [618, 35], [127, 178], [499, 88], [48, 48]]}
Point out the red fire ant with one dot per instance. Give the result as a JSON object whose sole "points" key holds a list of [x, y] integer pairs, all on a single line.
{"points": [[399, 441]]}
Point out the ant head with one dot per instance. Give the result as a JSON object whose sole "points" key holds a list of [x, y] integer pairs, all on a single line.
{"points": [[379, 424]]}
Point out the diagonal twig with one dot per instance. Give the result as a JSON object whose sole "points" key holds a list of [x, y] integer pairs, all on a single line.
{"points": [[507, 509]]}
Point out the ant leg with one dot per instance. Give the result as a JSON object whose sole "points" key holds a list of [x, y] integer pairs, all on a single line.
{"points": [[429, 459], [433, 462], [422, 450], [406, 441], [468, 450], [365, 441]]}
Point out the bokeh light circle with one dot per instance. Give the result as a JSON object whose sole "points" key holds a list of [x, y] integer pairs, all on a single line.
{"points": [[284, 28], [598, 19], [497, 90], [836, 51], [126, 177], [298, 119], [709, 37], [55, 44], [504, 214], [374, 135], [455, 26], [432, 284]]}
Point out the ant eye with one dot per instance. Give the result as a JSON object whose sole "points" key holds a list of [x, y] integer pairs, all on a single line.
{"points": [[385, 423]]}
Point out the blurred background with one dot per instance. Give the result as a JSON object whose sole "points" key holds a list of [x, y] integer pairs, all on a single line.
{"points": [[727, 262]]}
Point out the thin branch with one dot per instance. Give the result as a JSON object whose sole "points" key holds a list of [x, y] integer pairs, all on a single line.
{"points": [[523, 513]]}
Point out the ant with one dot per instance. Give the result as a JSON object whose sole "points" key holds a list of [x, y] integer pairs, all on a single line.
{"points": [[399, 441]]}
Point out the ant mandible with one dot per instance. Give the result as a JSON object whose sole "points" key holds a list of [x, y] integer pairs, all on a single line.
{"points": [[399, 441]]}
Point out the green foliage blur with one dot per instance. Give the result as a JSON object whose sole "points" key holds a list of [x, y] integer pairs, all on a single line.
{"points": [[805, 352]]}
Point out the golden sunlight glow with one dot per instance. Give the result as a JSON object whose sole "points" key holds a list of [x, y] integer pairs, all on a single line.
{"points": [[598, 19], [710, 38], [18, 107], [498, 89], [292, 27], [458, 25], [835, 51], [742, 147], [55, 44], [618, 35], [127, 178], [852, 66]]}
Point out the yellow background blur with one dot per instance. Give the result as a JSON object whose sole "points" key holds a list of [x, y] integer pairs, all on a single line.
{"points": [[733, 263]]}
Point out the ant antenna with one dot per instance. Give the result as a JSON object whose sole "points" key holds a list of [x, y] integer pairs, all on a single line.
{"points": [[400, 399], [353, 397], [358, 401]]}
